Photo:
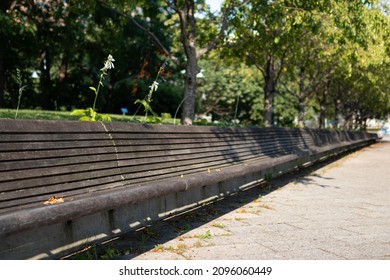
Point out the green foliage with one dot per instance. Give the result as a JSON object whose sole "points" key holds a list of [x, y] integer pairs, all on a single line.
{"points": [[230, 92], [110, 253], [90, 115], [35, 114], [206, 235], [147, 107], [268, 177]]}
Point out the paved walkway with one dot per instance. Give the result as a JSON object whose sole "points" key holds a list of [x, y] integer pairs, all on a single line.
{"points": [[338, 211]]}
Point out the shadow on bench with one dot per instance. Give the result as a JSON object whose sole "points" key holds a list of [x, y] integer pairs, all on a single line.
{"points": [[104, 179]]}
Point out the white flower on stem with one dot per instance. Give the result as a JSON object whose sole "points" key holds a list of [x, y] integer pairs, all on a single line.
{"points": [[154, 86], [108, 64]]}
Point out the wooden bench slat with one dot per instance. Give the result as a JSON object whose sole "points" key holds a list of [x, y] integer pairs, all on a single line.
{"points": [[39, 195], [31, 146], [38, 201], [51, 137], [26, 178], [25, 164], [79, 163], [42, 180], [59, 153], [128, 172], [42, 194], [65, 160]]}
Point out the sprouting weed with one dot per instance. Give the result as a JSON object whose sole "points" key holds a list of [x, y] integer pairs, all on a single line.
{"points": [[90, 114], [143, 239], [219, 225], [21, 89], [158, 248], [152, 88], [108, 64], [206, 235]]}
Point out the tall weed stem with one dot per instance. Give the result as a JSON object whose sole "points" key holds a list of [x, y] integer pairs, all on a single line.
{"points": [[21, 89]]}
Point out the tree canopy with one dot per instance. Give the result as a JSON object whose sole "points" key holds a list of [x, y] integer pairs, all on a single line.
{"points": [[256, 62]]}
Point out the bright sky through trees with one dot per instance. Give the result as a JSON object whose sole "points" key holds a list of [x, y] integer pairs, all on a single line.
{"points": [[215, 5]]}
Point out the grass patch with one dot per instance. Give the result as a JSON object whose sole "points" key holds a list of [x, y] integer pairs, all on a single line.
{"points": [[36, 115], [66, 116], [206, 235]]}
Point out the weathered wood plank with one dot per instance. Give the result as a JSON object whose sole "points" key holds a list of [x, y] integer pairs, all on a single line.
{"points": [[31, 146]]}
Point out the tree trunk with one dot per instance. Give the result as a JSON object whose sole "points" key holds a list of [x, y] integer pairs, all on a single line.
{"points": [[301, 113], [348, 120], [301, 98], [364, 124], [269, 92], [192, 69], [337, 103], [323, 104], [321, 120], [45, 80], [188, 30]]}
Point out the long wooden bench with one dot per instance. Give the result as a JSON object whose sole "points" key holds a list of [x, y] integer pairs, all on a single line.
{"points": [[64, 184]]}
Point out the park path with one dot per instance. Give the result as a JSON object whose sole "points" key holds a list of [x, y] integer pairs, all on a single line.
{"points": [[337, 211]]}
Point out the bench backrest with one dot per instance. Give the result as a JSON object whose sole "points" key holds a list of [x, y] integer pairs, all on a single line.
{"points": [[42, 159]]}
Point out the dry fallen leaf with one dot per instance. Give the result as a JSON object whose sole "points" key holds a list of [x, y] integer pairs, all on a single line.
{"points": [[54, 200]]}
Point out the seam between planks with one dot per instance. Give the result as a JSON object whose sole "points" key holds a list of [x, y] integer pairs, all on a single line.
{"points": [[115, 149]]}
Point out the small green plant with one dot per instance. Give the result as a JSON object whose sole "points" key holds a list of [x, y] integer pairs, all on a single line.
{"points": [[158, 248], [143, 239], [268, 177], [146, 102], [206, 235], [219, 225], [151, 232], [185, 228], [21, 89], [110, 253], [90, 114]]}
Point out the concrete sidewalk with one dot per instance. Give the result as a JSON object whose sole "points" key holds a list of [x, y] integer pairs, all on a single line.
{"points": [[338, 211]]}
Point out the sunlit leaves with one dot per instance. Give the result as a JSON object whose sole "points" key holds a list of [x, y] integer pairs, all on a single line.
{"points": [[89, 114]]}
